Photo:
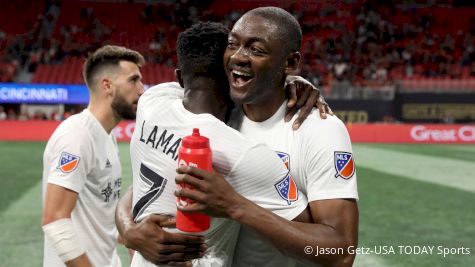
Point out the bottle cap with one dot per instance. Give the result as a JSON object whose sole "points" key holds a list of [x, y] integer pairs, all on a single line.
{"points": [[195, 141]]}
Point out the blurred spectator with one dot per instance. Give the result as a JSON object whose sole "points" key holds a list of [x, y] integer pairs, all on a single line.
{"points": [[38, 115], [23, 116], [448, 118], [147, 14], [101, 31], [340, 70], [11, 114], [344, 40], [70, 112], [56, 116], [3, 114]]}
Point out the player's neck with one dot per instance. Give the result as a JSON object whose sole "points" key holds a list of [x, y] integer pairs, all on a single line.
{"points": [[104, 114], [264, 108], [204, 101], [203, 96]]}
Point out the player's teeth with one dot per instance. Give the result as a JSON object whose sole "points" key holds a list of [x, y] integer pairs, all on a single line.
{"points": [[240, 73]]}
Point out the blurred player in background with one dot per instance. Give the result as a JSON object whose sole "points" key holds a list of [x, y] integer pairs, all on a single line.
{"points": [[81, 166]]}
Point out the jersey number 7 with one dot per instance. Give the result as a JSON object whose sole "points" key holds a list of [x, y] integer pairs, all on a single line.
{"points": [[157, 185]]}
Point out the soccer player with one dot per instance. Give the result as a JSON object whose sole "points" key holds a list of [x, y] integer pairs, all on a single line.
{"points": [[251, 168], [263, 47], [81, 166]]}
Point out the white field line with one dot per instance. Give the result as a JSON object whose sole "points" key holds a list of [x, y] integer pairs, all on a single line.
{"points": [[368, 260], [447, 172]]}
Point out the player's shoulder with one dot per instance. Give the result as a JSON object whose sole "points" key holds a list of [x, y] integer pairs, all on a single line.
{"points": [[74, 123], [159, 95], [315, 122], [228, 140], [222, 131], [72, 132], [317, 132], [163, 90], [77, 127], [161, 86], [228, 145]]}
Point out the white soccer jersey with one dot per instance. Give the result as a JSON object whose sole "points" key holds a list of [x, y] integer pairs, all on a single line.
{"points": [[319, 157], [251, 168], [82, 157]]}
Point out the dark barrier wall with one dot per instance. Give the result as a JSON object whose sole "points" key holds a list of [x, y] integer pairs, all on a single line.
{"points": [[362, 111], [409, 107], [435, 107]]}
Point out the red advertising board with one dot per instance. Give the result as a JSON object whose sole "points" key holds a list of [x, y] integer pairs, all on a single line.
{"points": [[412, 133], [30, 130], [123, 132], [33, 130], [360, 133]]}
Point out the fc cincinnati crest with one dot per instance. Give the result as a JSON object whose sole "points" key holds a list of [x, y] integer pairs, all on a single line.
{"points": [[285, 158], [68, 162], [287, 189], [344, 165]]}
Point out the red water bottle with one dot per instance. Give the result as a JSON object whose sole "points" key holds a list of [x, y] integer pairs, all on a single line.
{"points": [[194, 151]]}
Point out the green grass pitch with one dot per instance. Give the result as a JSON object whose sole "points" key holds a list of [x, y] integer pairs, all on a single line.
{"points": [[410, 195]]}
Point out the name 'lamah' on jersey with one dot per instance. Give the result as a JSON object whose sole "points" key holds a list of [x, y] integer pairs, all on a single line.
{"points": [[163, 141]]}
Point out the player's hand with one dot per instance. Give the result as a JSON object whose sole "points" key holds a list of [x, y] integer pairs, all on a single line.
{"points": [[304, 96], [212, 194], [121, 240], [161, 247]]}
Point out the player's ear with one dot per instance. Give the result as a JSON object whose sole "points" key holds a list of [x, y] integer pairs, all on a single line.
{"points": [[106, 86], [179, 78], [292, 62]]}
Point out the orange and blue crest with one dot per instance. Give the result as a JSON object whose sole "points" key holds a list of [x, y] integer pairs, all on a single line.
{"points": [[285, 158], [344, 165], [287, 188], [68, 162]]}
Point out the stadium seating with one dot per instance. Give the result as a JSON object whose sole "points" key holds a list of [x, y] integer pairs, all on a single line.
{"points": [[14, 27], [13, 24], [406, 42], [70, 72], [438, 84]]}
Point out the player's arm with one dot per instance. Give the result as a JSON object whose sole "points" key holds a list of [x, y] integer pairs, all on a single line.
{"points": [[58, 227], [303, 96], [331, 224], [334, 226], [155, 244]]}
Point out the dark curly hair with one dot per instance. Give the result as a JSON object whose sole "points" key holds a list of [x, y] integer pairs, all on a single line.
{"points": [[200, 49]]}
